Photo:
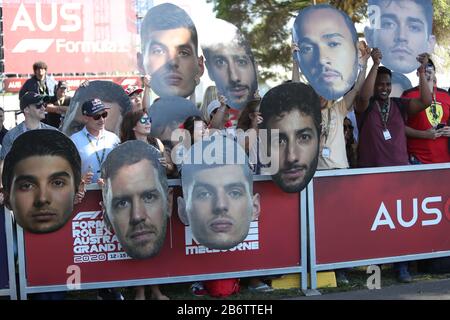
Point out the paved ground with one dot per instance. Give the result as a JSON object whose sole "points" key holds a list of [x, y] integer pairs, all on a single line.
{"points": [[421, 290]]}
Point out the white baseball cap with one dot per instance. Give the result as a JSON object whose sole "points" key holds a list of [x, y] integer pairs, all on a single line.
{"points": [[213, 105]]}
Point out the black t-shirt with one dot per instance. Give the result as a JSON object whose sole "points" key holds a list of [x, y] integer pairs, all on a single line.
{"points": [[2, 134], [54, 119]]}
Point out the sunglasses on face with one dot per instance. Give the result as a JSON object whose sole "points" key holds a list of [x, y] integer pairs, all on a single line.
{"points": [[39, 106], [98, 116], [145, 120]]}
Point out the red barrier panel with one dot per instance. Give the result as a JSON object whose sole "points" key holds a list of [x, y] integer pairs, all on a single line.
{"points": [[13, 85], [7, 263], [273, 242], [4, 274], [379, 215]]}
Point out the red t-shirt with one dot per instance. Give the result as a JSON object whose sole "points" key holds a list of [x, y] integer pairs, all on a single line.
{"points": [[428, 150], [234, 117]]}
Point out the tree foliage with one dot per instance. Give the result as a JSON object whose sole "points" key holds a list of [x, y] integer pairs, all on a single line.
{"points": [[356, 10], [267, 25], [441, 21]]}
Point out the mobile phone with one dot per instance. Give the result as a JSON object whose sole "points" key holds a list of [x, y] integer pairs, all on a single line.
{"points": [[440, 126]]}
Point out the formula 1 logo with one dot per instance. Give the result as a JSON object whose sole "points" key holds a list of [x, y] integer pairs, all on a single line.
{"points": [[93, 241], [38, 45], [92, 215]]}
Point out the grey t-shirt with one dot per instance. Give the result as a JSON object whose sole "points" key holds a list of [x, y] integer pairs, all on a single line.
{"points": [[12, 135]]}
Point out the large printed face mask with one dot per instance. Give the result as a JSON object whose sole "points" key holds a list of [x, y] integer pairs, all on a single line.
{"points": [[401, 31], [231, 64], [169, 51], [219, 210], [327, 50], [137, 206]]}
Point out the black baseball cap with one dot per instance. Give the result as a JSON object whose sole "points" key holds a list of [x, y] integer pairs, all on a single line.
{"points": [[30, 98], [62, 84], [92, 107]]}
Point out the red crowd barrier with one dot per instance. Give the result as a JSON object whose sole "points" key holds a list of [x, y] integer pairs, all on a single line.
{"points": [[84, 245], [373, 216], [7, 265]]}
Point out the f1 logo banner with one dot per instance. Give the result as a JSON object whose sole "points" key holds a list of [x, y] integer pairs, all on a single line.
{"points": [[4, 276], [85, 241], [379, 215], [75, 36]]}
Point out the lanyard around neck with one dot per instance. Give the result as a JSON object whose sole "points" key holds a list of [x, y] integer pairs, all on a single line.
{"points": [[384, 112], [327, 128], [100, 160]]}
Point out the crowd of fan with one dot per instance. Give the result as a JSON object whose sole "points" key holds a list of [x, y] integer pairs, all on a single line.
{"points": [[412, 134]]}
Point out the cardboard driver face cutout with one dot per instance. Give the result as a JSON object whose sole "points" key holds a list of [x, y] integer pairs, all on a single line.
{"points": [[110, 93], [169, 51], [327, 49], [136, 198], [230, 64], [294, 110], [401, 29], [41, 176], [168, 113], [218, 201]]}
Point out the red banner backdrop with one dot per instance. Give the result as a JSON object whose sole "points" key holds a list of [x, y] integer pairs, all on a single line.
{"points": [[14, 84], [76, 36], [273, 242], [381, 215]]}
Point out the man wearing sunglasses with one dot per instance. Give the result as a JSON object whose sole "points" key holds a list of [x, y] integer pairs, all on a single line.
{"points": [[93, 142], [33, 108]]}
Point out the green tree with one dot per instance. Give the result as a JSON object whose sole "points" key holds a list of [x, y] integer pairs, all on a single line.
{"points": [[441, 21], [267, 25]]}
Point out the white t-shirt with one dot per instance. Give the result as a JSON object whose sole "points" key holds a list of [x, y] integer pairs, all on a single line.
{"points": [[333, 123], [93, 151]]}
